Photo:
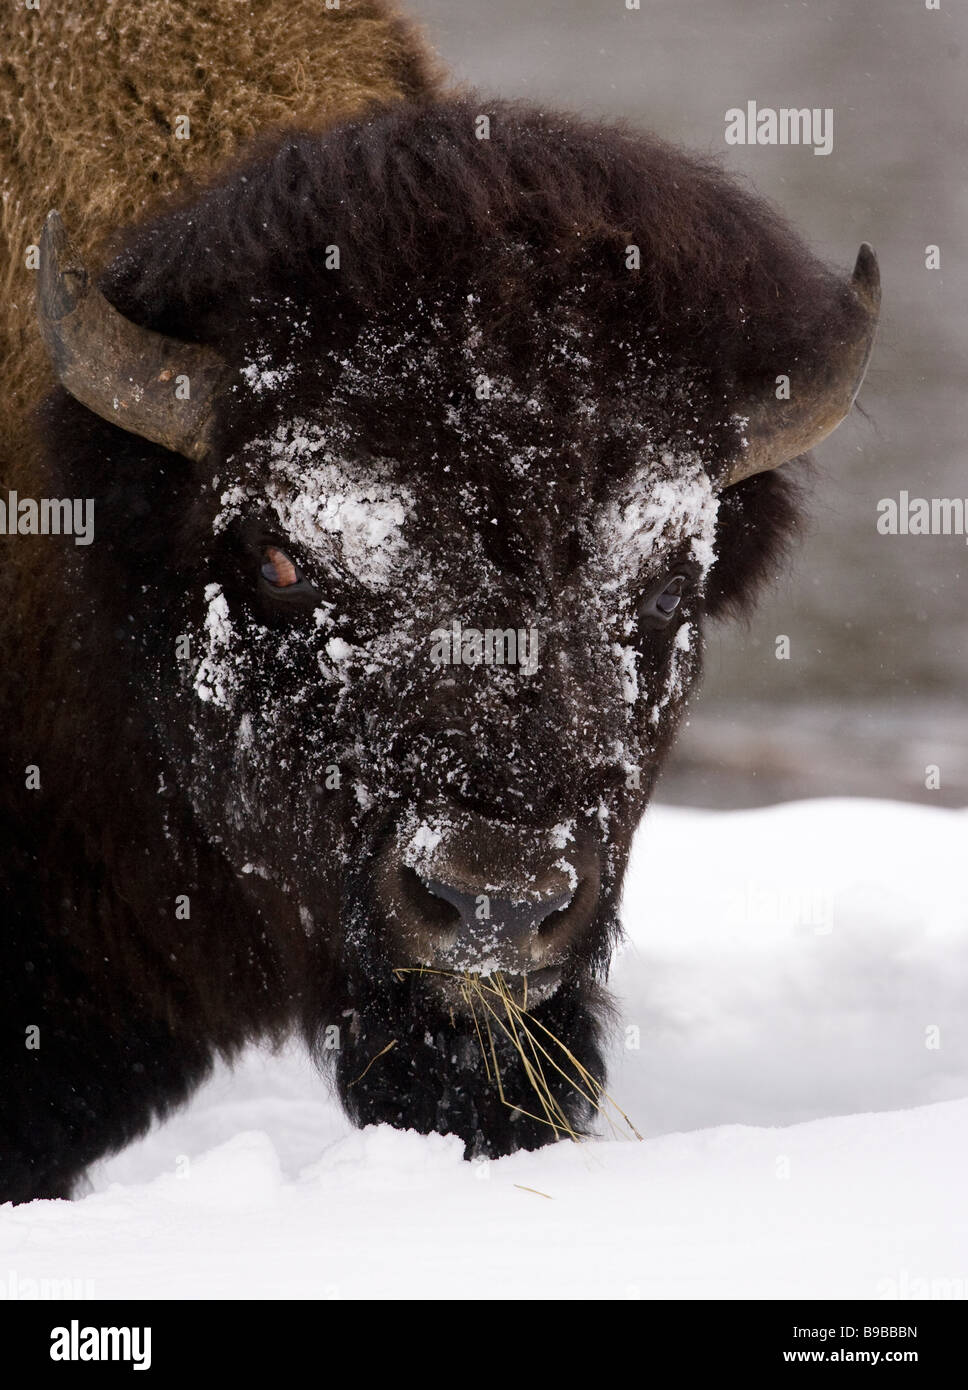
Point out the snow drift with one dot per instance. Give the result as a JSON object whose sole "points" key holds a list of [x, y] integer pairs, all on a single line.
{"points": [[810, 967]]}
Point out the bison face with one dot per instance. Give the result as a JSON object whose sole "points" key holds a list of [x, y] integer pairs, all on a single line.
{"points": [[431, 678], [436, 744]]}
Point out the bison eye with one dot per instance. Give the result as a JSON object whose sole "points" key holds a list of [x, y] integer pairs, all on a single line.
{"points": [[281, 579], [658, 607]]}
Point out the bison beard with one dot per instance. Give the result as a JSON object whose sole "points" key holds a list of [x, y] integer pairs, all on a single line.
{"points": [[409, 1062], [560, 499], [411, 1059], [433, 1076]]}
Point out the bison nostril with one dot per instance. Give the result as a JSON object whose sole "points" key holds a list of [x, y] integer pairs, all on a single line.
{"points": [[501, 919], [435, 911], [549, 923]]}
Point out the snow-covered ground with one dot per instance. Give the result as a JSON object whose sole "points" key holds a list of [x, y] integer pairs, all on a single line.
{"points": [[793, 1044]]}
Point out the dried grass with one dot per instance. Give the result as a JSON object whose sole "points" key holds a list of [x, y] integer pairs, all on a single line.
{"points": [[543, 1056]]}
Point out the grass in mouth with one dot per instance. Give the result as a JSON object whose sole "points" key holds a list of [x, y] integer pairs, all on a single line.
{"points": [[543, 1056]]}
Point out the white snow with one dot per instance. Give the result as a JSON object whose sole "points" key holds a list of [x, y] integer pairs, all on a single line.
{"points": [[422, 843], [326, 504], [627, 659], [568, 869], [339, 649], [672, 685], [215, 678], [659, 514], [259, 376], [789, 971], [562, 834]]}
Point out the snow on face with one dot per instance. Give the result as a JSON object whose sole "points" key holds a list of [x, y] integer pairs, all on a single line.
{"points": [[216, 677], [654, 520], [322, 502], [352, 523], [343, 515], [423, 836], [660, 516]]}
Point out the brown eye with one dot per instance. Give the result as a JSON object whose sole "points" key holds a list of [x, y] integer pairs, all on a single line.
{"points": [[281, 581], [278, 569]]}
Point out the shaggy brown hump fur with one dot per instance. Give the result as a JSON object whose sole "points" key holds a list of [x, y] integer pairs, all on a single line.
{"points": [[90, 93]]}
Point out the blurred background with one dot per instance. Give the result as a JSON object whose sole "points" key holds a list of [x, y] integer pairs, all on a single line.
{"points": [[875, 688]]}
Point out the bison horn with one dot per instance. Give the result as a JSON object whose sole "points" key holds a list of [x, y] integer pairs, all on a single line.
{"points": [[127, 374], [777, 431]]}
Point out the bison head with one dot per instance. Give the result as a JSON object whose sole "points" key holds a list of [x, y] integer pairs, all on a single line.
{"points": [[479, 431]]}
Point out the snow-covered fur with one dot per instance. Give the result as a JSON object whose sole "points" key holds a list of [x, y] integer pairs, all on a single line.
{"points": [[479, 412]]}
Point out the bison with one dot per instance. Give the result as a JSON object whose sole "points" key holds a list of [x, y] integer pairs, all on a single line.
{"points": [[420, 447]]}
